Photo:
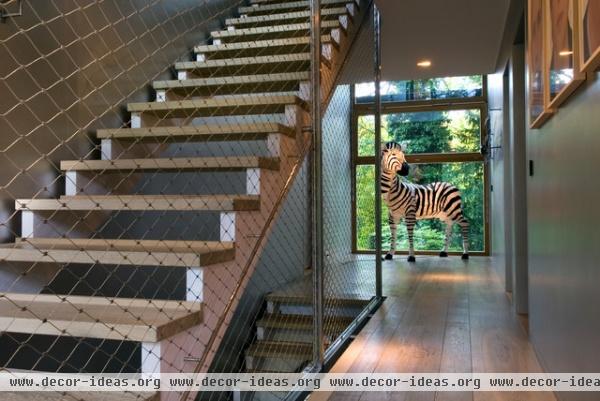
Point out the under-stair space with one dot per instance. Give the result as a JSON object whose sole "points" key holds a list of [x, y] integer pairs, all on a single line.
{"points": [[216, 146]]}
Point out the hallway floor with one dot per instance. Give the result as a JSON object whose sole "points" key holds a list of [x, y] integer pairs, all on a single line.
{"points": [[441, 315]]}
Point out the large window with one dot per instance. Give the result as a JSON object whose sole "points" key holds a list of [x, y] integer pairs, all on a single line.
{"points": [[423, 89], [442, 142]]}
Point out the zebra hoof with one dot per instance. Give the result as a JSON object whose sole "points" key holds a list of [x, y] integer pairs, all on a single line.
{"points": [[388, 256], [411, 259], [465, 256], [443, 254]]}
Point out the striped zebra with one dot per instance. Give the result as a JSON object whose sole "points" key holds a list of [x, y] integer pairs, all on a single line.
{"points": [[439, 200]]}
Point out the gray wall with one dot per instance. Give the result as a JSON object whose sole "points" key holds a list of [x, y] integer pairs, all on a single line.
{"points": [[337, 177], [70, 67], [564, 255], [498, 151]]}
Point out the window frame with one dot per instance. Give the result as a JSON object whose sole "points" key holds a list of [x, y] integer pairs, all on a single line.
{"points": [[479, 102]]}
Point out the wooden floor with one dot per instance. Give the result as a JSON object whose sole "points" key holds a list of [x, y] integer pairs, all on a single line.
{"points": [[441, 315]]}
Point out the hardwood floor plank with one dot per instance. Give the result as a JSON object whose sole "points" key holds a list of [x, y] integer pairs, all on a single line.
{"points": [[441, 315]]}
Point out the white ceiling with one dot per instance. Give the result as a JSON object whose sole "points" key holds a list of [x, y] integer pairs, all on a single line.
{"points": [[460, 37]]}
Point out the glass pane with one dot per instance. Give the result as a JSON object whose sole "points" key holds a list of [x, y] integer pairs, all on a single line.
{"points": [[535, 62], [591, 28], [422, 89], [424, 131], [561, 61], [429, 234]]}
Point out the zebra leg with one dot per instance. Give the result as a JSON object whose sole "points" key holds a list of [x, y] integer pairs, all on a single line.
{"points": [[410, 228], [444, 253], [393, 222], [464, 227]]}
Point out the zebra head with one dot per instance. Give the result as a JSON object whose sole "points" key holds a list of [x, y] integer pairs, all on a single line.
{"points": [[393, 160]]}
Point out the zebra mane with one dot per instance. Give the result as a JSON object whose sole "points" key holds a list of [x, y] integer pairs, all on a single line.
{"points": [[392, 145]]}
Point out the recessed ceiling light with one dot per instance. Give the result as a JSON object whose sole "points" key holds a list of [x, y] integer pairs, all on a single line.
{"points": [[424, 63], [565, 53]]}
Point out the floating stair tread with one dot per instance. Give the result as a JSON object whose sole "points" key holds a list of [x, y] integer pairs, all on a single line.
{"points": [[185, 108], [239, 61], [306, 299], [279, 349], [180, 163], [79, 396], [295, 15], [143, 202], [303, 40], [302, 322], [264, 30], [207, 132], [258, 19], [287, 5], [236, 80], [118, 252], [97, 317]]}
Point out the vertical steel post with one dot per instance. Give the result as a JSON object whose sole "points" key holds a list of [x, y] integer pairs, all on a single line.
{"points": [[377, 116], [317, 184]]}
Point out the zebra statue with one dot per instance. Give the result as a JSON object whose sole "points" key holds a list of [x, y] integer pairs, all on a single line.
{"points": [[439, 200]]}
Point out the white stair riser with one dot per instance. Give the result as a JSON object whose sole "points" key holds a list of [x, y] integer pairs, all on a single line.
{"points": [[227, 229], [150, 357], [194, 284]]}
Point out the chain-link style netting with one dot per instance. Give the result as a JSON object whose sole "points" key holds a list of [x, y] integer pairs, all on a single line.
{"points": [[156, 187]]}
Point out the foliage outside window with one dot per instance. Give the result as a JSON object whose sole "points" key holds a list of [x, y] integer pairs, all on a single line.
{"points": [[422, 89], [423, 131], [453, 137]]}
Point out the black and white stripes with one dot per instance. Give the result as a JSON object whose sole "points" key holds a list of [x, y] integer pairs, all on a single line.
{"points": [[438, 200]]}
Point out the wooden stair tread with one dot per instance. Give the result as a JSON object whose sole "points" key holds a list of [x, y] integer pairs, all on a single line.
{"points": [[97, 317], [267, 7], [207, 132], [266, 349], [235, 80], [79, 396], [230, 104], [143, 202], [303, 27], [239, 61], [255, 44], [302, 322], [118, 252], [180, 163], [294, 15], [306, 299]]}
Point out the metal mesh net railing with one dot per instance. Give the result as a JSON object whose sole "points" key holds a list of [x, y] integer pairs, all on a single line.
{"points": [[156, 211]]}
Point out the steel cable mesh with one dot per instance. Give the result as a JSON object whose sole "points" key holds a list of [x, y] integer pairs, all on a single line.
{"points": [[173, 235], [349, 279]]}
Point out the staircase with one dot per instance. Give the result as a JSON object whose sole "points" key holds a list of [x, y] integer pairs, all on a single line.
{"points": [[250, 84]]}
